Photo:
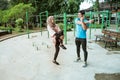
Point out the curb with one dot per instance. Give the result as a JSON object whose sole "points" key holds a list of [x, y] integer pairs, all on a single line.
{"points": [[11, 36]]}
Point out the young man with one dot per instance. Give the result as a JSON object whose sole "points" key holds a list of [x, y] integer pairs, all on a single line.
{"points": [[82, 25]]}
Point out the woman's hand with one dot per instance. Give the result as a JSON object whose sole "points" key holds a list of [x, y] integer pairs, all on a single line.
{"points": [[62, 37]]}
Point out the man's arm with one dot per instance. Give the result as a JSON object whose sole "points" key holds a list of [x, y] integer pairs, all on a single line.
{"points": [[83, 24]]}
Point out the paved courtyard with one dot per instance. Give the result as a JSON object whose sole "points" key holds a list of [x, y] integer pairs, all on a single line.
{"points": [[31, 59]]}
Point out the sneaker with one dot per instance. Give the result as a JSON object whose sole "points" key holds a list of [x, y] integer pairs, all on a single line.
{"points": [[62, 46], [55, 62], [85, 64], [78, 59]]}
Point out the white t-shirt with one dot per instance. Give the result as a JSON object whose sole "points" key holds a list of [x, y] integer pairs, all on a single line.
{"points": [[51, 31]]}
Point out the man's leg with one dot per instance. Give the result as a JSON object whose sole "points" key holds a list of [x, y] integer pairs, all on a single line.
{"points": [[78, 43], [84, 44]]}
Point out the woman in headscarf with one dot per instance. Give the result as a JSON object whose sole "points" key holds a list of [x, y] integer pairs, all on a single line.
{"points": [[56, 35]]}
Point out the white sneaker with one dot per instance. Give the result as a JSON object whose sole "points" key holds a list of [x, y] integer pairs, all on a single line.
{"points": [[78, 59], [84, 64]]}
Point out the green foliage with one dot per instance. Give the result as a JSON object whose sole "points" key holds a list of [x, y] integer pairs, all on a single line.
{"points": [[1, 15], [61, 25], [17, 29], [52, 6], [18, 11], [96, 5], [4, 16], [2, 28], [96, 25], [73, 6], [3, 4], [16, 2], [112, 1], [69, 26], [19, 23], [6, 28]]}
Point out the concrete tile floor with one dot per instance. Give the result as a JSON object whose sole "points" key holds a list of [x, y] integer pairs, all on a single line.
{"points": [[31, 59]]}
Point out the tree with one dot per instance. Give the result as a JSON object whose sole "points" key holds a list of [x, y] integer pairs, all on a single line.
{"points": [[19, 23], [3, 4], [96, 8], [73, 6], [16, 2], [18, 11], [1, 15], [52, 6], [111, 2]]}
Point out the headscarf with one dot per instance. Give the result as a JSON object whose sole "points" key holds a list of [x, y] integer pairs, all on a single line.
{"points": [[50, 21]]}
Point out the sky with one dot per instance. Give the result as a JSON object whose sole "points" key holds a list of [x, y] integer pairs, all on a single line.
{"points": [[86, 4]]}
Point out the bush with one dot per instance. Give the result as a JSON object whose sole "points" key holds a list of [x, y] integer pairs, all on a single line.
{"points": [[61, 25], [19, 23], [2, 28], [17, 29], [96, 26], [5, 28], [9, 29], [69, 26]]}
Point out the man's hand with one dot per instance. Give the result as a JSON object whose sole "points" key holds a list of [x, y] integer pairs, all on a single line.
{"points": [[91, 21], [81, 19]]}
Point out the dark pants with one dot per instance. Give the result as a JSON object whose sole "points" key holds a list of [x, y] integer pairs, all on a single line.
{"points": [[83, 42], [57, 48], [58, 41]]}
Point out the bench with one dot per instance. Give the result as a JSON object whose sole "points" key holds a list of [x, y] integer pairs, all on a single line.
{"points": [[3, 32], [100, 36], [110, 38], [6, 31]]}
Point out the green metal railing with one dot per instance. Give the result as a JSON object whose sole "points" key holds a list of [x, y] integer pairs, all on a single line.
{"points": [[27, 18], [41, 14], [117, 21], [90, 25], [64, 19], [65, 27], [105, 18]]}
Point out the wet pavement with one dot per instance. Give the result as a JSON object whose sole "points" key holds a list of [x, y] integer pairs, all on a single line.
{"points": [[31, 59]]}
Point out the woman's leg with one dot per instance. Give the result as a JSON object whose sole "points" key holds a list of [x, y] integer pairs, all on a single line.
{"points": [[57, 48], [60, 37], [61, 42]]}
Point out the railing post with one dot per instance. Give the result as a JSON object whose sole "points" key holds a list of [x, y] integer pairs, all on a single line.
{"points": [[40, 24], [65, 27], [27, 24], [40, 15], [90, 25], [46, 18]]}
